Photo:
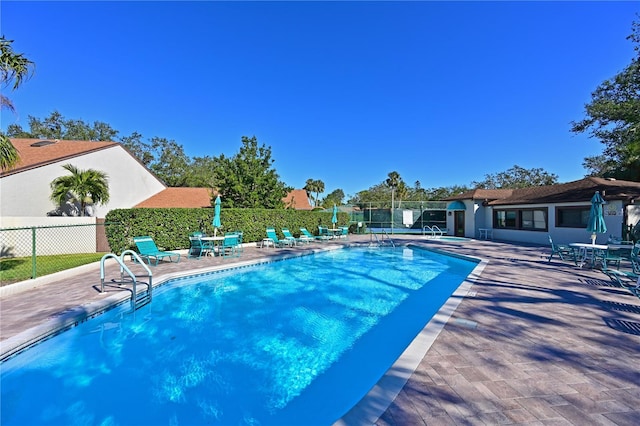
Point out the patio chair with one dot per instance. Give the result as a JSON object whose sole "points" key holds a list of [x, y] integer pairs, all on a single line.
{"points": [[608, 257], [148, 249], [240, 234], [626, 279], [345, 232], [229, 246], [289, 236], [197, 247], [323, 232], [309, 235], [561, 250], [271, 234], [206, 244]]}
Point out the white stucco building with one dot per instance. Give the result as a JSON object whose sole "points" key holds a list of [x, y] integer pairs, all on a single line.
{"points": [[531, 214], [25, 190]]}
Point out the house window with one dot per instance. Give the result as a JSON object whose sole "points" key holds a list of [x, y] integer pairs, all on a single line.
{"points": [[505, 219], [572, 217], [524, 219]]}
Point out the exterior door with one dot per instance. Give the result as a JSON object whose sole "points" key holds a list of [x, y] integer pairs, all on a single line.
{"points": [[458, 223]]}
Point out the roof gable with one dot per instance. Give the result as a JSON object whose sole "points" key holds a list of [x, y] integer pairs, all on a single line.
{"points": [[37, 153]]}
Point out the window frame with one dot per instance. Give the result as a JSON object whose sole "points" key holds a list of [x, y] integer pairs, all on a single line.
{"points": [[583, 209], [519, 220]]}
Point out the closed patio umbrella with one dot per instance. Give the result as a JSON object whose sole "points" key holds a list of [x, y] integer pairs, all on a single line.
{"points": [[596, 223], [334, 218], [216, 216]]}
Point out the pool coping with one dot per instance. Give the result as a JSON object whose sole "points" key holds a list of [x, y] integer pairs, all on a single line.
{"points": [[373, 405], [70, 318]]}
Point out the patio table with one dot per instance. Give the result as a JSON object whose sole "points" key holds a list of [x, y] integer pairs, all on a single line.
{"points": [[217, 241], [584, 249]]}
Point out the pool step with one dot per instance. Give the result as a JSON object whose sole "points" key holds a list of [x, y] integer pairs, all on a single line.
{"points": [[142, 298]]}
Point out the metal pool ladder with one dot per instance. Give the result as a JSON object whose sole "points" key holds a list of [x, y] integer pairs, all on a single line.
{"points": [[380, 242], [137, 299]]}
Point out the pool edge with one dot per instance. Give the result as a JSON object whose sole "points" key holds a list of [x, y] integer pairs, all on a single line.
{"points": [[369, 409]]}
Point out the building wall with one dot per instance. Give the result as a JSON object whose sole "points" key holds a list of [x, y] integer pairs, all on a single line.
{"points": [[612, 215], [28, 193]]}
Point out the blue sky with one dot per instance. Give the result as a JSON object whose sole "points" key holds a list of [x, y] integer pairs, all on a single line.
{"points": [[346, 92]]}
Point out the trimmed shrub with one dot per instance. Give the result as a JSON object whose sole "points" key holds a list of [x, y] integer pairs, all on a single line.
{"points": [[170, 228]]}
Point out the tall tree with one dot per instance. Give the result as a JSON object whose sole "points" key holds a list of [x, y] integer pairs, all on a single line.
{"points": [[248, 179], [84, 187], [14, 69], [314, 186], [517, 177], [56, 126], [613, 117], [393, 181], [170, 162], [201, 172], [138, 148], [334, 197]]}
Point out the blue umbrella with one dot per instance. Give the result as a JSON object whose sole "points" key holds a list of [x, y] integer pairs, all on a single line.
{"points": [[216, 216], [596, 223], [334, 218]]}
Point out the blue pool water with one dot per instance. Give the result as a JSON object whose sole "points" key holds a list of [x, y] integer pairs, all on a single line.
{"points": [[291, 342]]}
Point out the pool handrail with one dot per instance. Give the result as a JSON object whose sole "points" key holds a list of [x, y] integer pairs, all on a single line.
{"points": [[123, 269]]}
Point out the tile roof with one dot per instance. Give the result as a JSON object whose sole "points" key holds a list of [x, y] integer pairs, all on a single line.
{"points": [[297, 199], [180, 197], [481, 194], [577, 191], [37, 152]]}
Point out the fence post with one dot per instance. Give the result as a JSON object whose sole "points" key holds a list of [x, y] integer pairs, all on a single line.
{"points": [[33, 252]]}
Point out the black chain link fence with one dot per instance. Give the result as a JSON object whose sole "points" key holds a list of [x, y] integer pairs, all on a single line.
{"points": [[406, 216]]}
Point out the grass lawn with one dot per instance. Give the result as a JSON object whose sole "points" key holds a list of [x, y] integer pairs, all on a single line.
{"points": [[14, 269]]}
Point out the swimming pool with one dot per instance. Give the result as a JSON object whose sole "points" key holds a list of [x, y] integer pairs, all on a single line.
{"points": [[292, 342]]}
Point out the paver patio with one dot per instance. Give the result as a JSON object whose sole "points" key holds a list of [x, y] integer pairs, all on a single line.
{"points": [[533, 343]]}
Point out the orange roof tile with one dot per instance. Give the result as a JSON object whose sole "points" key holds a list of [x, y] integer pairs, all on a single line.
{"points": [[297, 199], [32, 156], [179, 197]]}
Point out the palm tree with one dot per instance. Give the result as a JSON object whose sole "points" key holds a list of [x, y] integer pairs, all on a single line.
{"points": [[83, 187], [314, 185], [392, 182], [8, 153], [13, 67]]}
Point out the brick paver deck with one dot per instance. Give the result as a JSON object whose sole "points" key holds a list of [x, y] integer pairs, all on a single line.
{"points": [[534, 343]]}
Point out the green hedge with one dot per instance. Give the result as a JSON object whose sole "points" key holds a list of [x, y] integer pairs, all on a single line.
{"points": [[170, 228]]}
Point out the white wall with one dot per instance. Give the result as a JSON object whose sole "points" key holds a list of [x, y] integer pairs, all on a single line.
{"points": [[28, 193], [612, 215]]}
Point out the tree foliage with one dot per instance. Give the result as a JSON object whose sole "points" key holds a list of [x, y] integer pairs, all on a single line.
{"points": [[613, 117], [334, 197], [517, 177], [170, 163], [380, 194], [57, 127], [248, 180], [15, 68], [314, 186], [83, 187]]}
